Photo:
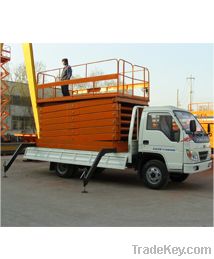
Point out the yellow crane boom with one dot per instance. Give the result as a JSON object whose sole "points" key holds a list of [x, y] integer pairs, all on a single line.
{"points": [[31, 76]]}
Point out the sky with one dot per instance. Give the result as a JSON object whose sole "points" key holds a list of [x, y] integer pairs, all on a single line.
{"points": [[169, 65]]}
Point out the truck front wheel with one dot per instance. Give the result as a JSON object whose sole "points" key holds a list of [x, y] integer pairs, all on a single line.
{"points": [[178, 177], [155, 174], [65, 170]]}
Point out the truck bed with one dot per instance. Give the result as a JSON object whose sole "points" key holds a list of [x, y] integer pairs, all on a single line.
{"points": [[76, 157]]}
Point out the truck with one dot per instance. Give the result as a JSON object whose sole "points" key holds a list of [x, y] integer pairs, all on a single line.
{"points": [[110, 125], [170, 144]]}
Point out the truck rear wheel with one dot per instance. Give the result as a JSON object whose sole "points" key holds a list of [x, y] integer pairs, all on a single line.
{"points": [[65, 170], [155, 174], [178, 177]]}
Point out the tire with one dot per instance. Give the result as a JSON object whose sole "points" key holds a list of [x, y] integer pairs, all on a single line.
{"points": [[65, 170], [178, 177], [155, 174]]}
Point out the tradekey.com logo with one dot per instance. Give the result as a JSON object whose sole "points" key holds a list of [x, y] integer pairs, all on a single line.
{"points": [[171, 250]]}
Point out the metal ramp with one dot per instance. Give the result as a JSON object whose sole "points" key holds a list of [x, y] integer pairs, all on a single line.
{"points": [[76, 157]]}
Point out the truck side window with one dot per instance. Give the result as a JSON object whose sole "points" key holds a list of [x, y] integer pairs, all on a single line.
{"points": [[164, 123]]}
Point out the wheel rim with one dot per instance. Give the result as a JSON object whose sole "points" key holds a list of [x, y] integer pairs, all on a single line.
{"points": [[62, 168], [153, 175]]}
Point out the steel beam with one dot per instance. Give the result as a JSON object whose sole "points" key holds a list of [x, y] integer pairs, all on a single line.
{"points": [[31, 76]]}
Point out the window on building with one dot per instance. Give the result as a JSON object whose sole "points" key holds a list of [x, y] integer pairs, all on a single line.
{"points": [[22, 123], [20, 100]]}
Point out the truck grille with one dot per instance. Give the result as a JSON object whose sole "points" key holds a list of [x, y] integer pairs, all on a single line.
{"points": [[203, 155]]}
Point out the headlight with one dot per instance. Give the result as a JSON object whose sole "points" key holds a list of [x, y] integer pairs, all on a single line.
{"points": [[192, 155]]}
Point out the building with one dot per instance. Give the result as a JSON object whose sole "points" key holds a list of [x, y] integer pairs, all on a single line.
{"points": [[20, 119]]}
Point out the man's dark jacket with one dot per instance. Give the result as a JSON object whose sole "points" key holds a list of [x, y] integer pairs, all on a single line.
{"points": [[66, 73]]}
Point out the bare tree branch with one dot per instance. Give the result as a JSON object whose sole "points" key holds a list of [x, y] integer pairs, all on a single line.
{"points": [[19, 72]]}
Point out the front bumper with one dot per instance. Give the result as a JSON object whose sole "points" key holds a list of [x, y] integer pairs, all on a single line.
{"points": [[197, 167]]}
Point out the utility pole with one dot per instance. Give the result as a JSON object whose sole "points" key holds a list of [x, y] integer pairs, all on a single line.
{"points": [[190, 78], [178, 103]]}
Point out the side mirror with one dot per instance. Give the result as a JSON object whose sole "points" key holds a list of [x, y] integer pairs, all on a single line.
{"points": [[192, 126]]}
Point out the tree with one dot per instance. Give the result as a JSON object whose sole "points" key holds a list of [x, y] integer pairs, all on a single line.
{"points": [[19, 72], [19, 76]]}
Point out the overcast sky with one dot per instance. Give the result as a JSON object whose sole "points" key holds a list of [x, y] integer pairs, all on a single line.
{"points": [[169, 65]]}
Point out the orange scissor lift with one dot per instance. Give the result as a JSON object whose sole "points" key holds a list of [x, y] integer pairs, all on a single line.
{"points": [[95, 117], [205, 114], [5, 55], [98, 111]]}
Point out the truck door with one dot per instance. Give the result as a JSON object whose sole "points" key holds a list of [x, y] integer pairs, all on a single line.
{"points": [[133, 139], [162, 135]]}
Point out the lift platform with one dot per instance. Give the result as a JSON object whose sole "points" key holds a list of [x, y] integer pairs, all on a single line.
{"points": [[97, 113]]}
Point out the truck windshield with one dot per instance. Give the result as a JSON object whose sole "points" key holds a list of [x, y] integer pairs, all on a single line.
{"points": [[185, 118]]}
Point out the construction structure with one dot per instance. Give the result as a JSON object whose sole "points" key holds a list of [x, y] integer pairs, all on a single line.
{"points": [[17, 124], [204, 111], [5, 55]]}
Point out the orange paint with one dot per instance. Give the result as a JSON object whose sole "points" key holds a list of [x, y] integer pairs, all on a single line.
{"points": [[94, 116]]}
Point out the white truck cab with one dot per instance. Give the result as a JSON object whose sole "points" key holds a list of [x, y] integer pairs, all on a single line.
{"points": [[171, 144]]}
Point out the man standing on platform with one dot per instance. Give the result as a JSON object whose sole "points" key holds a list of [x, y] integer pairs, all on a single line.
{"points": [[66, 75]]}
